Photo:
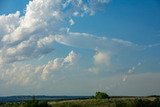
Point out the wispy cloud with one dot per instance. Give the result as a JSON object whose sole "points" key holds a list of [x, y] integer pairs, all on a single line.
{"points": [[91, 42], [131, 71]]}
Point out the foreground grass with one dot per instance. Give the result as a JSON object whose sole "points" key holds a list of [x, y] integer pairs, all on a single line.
{"points": [[112, 102], [107, 103]]}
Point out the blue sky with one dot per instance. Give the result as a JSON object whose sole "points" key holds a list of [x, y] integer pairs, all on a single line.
{"points": [[129, 20], [62, 47]]}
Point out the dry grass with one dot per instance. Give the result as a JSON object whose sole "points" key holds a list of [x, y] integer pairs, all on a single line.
{"points": [[112, 102]]}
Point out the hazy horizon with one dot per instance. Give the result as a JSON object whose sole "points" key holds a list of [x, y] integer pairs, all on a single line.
{"points": [[79, 47]]}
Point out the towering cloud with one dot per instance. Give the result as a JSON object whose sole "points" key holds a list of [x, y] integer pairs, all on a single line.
{"points": [[31, 35], [25, 74], [36, 48], [101, 58]]}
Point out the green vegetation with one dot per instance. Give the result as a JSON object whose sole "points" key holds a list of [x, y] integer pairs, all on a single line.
{"points": [[101, 95], [30, 103], [35, 103], [147, 103], [100, 100], [118, 102]]}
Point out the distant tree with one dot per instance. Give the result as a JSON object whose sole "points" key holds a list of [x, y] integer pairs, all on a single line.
{"points": [[36, 103], [101, 95]]}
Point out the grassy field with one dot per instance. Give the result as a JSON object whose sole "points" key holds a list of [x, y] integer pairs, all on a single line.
{"points": [[111, 102]]}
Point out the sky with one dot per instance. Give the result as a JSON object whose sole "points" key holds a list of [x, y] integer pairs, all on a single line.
{"points": [[79, 47]]}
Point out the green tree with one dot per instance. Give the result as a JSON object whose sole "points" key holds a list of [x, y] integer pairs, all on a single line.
{"points": [[101, 95], [36, 103]]}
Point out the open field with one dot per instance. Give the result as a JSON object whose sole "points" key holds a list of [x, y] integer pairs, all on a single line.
{"points": [[111, 102]]}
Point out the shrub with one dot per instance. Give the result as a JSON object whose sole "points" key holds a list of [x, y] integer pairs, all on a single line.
{"points": [[36, 103], [101, 95]]}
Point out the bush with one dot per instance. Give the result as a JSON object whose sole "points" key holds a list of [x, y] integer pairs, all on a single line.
{"points": [[101, 95], [36, 103], [121, 103]]}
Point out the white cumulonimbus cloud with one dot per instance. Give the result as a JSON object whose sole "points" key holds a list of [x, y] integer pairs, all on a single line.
{"points": [[58, 64], [101, 61], [29, 36], [47, 22], [24, 74], [101, 58]]}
